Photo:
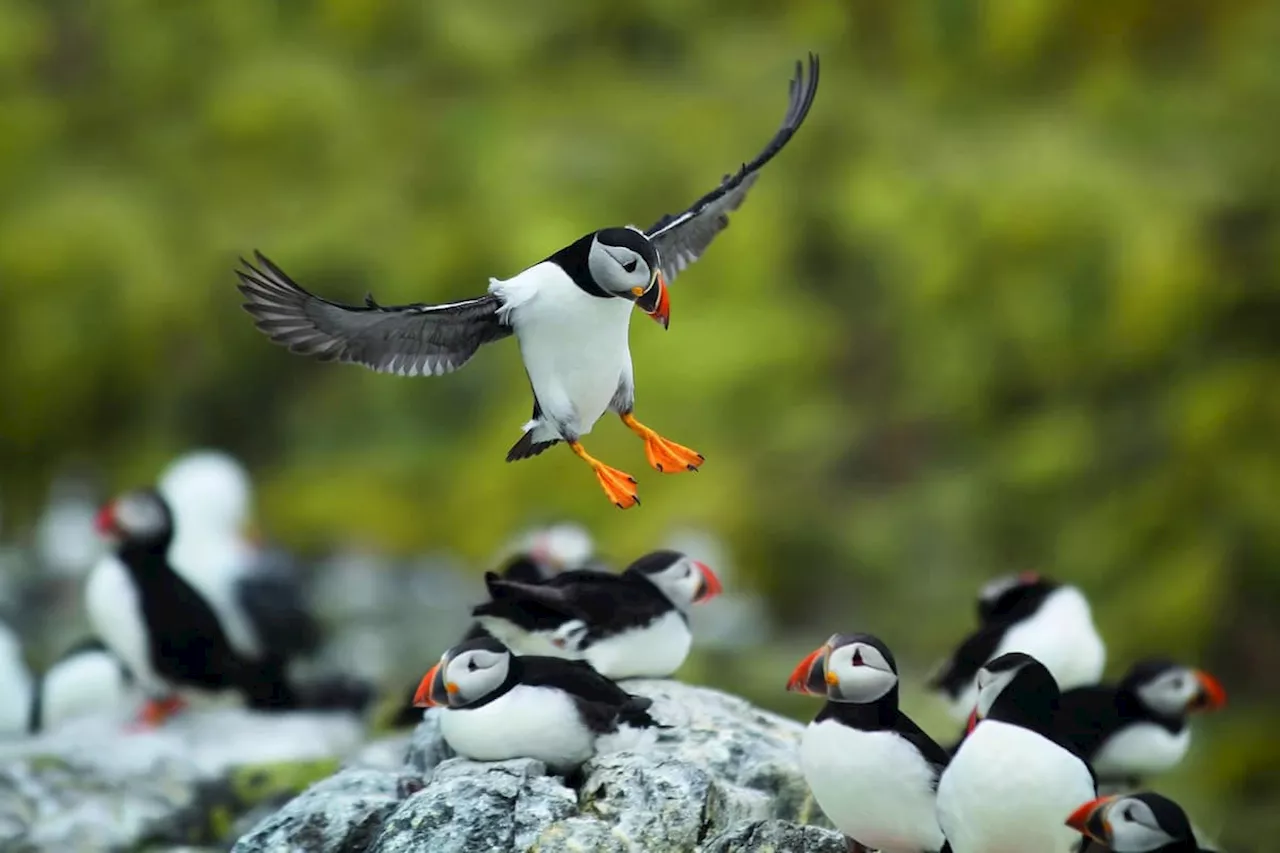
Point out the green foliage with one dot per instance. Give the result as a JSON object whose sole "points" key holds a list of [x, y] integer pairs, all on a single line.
{"points": [[1010, 298]]}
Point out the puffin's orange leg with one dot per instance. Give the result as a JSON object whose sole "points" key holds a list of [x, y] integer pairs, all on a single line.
{"points": [[663, 454], [156, 711], [619, 486]]}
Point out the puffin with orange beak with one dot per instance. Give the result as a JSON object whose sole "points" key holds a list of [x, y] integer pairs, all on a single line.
{"points": [[1136, 823], [570, 313], [495, 706], [873, 771], [629, 625], [1142, 725]]}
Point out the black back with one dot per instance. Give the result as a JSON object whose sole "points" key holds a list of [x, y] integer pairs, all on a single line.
{"points": [[1089, 716], [601, 703], [273, 598]]}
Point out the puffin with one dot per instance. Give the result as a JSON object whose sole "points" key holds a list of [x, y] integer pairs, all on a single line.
{"points": [[86, 679], [570, 314], [873, 771], [256, 593], [1014, 778], [1144, 822], [541, 554], [1029, 613], [1141, 725], [168, 634], [496, 705], [629, 625]]}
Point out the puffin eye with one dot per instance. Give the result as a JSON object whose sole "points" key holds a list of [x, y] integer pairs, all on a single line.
{"points": [[471, 666], [630, 266]]}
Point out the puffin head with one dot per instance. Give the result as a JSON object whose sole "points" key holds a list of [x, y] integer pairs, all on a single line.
{"points": [[139, 518], [1135, 823], [855, 668], [466, 673], [1007, 593], [682, 579], [1015, 686], [624, 262], [1173, 690]]}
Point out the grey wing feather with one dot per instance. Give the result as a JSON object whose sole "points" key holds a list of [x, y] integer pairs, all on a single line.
{"points": [[682, 238], [409, 340]]}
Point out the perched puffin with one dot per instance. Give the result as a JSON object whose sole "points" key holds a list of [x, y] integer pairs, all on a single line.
{"points": [[86, 680], [1013, 778], [498, 706], [633, 624], [257, 594], [1139, 726], [1135, 823], [570, 314], [1028, 613], [169, 636], [873, 771]]}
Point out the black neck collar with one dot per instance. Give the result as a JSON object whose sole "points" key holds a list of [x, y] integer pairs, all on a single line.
{"points": [[573, 259]]}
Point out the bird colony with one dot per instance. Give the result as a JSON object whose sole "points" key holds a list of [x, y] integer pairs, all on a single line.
{"points": [[1045, 756]]}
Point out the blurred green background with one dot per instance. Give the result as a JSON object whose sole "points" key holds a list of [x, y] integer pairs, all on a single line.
{"points": [[1009, 299]]}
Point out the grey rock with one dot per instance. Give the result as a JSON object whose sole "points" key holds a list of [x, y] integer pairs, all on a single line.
{"points": [[342, 814], [426, 745], [777, 836], [91, 787], [468, 806]]}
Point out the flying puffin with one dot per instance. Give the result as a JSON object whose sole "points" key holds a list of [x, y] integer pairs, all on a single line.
{"points": [[1135, 823], [256, 593], [873, 771], [168, 635], [1028, 613], [570, 314], [497, 705], [1013, 779], [628, 625], [1139, 726]]}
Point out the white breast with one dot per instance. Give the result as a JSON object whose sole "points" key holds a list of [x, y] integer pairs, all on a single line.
{"points": [[84, 684], [524, 722], [1141, 749], [574, 345], [115, 611], [1061, 635], [1009, 790], [653, 651], [874, 786]]}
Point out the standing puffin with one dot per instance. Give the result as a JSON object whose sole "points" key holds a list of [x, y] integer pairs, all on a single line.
{"points": [[570, 314], [1028, 613], [159, 624], [1136, 823], [629, 625], [1013, 779], [1139, 726], [873, 771], [498, 706]]}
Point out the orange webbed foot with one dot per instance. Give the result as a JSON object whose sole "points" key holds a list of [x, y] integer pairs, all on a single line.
{"points": [[663, 454], [619, 486]]}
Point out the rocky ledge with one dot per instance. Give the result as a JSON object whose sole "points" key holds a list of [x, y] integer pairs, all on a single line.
{"points": [[722, 779]]}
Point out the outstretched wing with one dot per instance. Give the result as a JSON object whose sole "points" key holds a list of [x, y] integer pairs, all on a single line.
{"points": [[682, 238], [409, 340]]}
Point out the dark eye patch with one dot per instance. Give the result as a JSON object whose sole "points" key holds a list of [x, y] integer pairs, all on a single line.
{"points": [[630, 266]]}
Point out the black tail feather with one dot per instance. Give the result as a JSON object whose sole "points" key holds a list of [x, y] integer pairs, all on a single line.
{"points": [[526, 447]]}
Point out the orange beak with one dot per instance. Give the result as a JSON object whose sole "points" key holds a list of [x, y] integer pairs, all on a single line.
{"points": [[1211, 697], [973, 722], [655, 302], [710, 586], [433, 689], [105, 521], [808, 677], [1090, 820]]}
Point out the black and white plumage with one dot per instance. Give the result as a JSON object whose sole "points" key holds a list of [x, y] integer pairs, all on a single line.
{"points": [[1013, 780], [88, 679], [1141, 725], [1144, 822], [1027, 613], [633, 624], [496, 706], [256, 593], [570, 314], [873, 771]]}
